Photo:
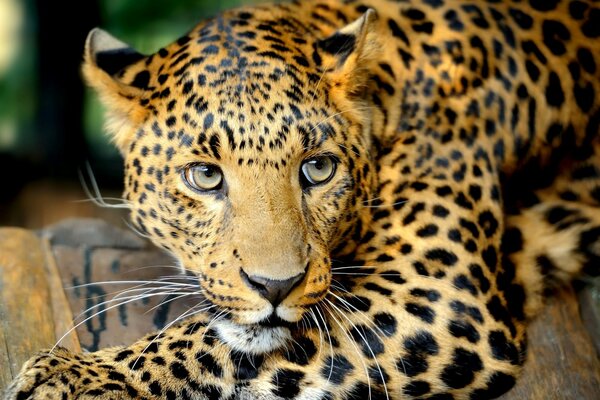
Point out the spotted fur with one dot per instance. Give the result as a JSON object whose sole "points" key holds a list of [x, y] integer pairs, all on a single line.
{"points": [[466, 138]]}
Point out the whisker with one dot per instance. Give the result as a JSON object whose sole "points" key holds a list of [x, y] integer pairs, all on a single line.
{"points": [[366, 342], [167, 326], [330, 345], [386, 205], [360, 356], [127, 282], [87, 319], [136, 230], [167, 301], [96, 196]]}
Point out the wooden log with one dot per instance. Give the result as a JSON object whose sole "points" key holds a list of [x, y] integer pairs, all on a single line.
{"points": [[32, 304], [562, 362]]}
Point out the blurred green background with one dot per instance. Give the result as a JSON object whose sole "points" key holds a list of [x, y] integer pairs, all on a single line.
{"points": [[50, 124]]}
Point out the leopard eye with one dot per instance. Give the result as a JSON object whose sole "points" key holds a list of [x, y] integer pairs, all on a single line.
{"points": [[203, 177], [318, 170]]}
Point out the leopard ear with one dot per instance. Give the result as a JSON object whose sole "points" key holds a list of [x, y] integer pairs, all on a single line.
{"points": [[348, 54], [114, 70]]}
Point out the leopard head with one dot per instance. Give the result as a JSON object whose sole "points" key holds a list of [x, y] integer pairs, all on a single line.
{"points": [[247, 155]]}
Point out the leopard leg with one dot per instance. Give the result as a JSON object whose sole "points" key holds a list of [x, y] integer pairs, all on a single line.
{"points": [[553, 233]]}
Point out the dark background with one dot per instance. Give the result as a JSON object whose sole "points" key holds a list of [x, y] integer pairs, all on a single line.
{"points": [[50, 124]]}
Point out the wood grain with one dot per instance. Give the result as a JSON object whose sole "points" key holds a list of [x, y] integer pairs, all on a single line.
{"points": [[27, 318], [562, 362]]}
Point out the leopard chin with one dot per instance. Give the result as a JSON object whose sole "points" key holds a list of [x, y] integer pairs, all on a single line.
{"points": [[252, 339]]}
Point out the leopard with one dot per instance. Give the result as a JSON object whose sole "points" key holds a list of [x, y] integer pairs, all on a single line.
{"points": [[374, 197]]}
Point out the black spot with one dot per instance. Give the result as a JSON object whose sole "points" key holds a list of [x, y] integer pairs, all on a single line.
{"points": [[393, 276], [454, 22], [209, 363], [498, 384], [112, 386], [488, 223], [554, 93], [368, 339], [512, 240], [179, 371], [287, 383], [426, 27], [385, 323], [397, 31], [357, 303], [181, 344], [416, 388], [246, 365], [443, 191], [412, 215], [123, 355], [555, 34], [502, 349], [418, 348], [532, 70], [577, 9], [544, 5], [462, 371], [500, 313], [335, 369], [384, 258], [141, 80], [362, 391], [523, 20], [301, 351], [414, 14], [490, 257], [462, 282], [440, 211], [557, 213], [116, 376], [584, 95], [430, 294], [475, 192], [461, 328], [428, 231], [591, 28], [405, 248], [155, 388], [586, 60], [461, 200], [446, 257], [425, 313]]}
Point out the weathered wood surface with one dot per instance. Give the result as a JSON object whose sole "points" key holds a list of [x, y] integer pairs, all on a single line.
{"points": [[32, 303], [562, 360]]}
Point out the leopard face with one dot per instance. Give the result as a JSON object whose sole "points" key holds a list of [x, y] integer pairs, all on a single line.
{"points": [[242, 167]]}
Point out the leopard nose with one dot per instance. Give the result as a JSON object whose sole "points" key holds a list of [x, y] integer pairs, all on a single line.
{"points": [[273, 290]]}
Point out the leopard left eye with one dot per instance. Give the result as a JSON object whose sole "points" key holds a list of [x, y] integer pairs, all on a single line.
{"points": [[203, 177], [317, 170]]}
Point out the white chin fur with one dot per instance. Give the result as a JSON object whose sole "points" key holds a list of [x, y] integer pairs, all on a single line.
{"points": [[252, 339], [288, 314]]}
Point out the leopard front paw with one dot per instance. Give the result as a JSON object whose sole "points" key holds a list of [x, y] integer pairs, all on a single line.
{"points": [[47, 375], [61, 374]]}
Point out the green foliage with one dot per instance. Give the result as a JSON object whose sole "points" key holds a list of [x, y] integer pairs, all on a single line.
{"points": [[149, 25]]}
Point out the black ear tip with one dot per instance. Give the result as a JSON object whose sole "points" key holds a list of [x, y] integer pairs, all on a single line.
{"points": [[98, 40], [109, 53]]}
